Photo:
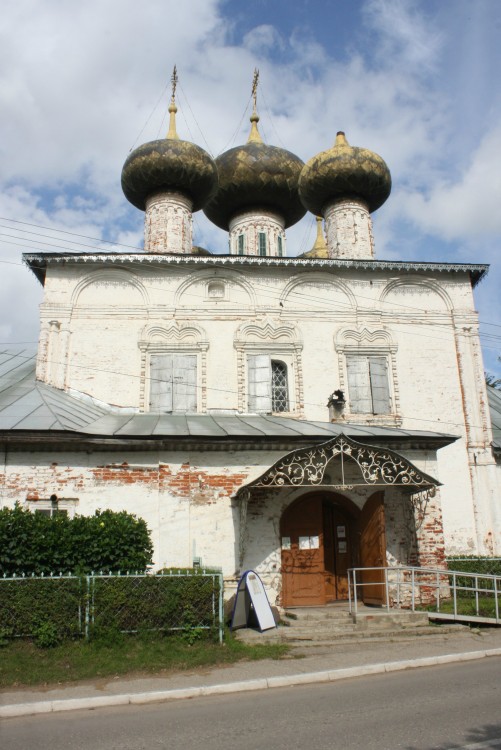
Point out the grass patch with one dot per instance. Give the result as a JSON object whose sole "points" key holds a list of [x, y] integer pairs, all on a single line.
{"points": [[466, 606], [22, 664]]}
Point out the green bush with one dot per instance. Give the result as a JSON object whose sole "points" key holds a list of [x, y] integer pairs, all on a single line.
{"points": [[478, 566], [487, 565], [27, 603], [46, 634], [160, 602], [51, 609], [33, 543]]}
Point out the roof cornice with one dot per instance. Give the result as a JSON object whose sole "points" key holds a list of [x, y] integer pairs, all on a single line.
{"points": [[69, 440], [38, 263]]}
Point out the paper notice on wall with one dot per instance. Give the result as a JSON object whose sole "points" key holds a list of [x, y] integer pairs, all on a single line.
{"points": [[309, 542]]}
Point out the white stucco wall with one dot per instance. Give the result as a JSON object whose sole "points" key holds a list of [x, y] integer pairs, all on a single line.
{"points": [[100, 324]]}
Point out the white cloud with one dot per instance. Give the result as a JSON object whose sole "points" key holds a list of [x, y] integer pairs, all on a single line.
{"points": [[466, 209], [80, 85], [263, 39], [405, 33]]}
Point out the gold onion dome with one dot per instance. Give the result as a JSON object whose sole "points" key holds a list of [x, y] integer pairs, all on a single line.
{"points": [[344, 172], [169, 164], [255, 177]]}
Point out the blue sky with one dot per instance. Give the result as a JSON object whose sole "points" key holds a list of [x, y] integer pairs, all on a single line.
{"points": [[417, 81]]}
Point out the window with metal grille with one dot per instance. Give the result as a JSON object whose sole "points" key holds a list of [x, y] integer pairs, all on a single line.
{"points": [[279, 247], [241, 244], [279, 387], [262, 243], [268, 384]]}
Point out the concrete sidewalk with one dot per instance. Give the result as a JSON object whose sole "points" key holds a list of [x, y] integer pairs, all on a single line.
{"points": [[302, 667]]}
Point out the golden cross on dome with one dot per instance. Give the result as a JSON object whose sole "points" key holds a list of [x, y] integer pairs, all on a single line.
{"points": [[173, 80], [172, 108], [254, 136], [255, 81]]}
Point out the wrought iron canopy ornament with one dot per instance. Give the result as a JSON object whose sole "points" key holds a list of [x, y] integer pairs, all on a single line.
{"points": [[378, 467]]}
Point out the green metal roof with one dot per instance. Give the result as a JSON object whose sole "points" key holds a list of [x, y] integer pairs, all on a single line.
{"points": [[29, 406]]}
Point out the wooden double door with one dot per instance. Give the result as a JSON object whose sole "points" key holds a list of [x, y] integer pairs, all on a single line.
{"points": [[322, 537]]}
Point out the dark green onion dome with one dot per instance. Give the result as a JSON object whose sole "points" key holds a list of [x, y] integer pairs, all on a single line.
{"points": [[169, 164], [256, 177], [344, 172]]}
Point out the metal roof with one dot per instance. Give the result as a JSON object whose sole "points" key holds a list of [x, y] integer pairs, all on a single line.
{"points": [[29, 406], [38, 262], [494, 397]]}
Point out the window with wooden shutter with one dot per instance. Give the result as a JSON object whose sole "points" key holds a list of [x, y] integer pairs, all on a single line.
{"points": [[173, 383], [368, 384], [378, 370], [259, 380]]}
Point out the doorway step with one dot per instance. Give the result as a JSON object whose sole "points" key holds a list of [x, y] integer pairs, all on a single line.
{"points": [[333, 624]]}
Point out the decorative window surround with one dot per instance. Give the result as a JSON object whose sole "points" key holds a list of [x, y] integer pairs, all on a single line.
{"points": [[216, 290], [279, 341], [184, 338], [369, 343]]}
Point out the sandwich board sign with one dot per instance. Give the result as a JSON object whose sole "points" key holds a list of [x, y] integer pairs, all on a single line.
{"points": [[252, 607]]}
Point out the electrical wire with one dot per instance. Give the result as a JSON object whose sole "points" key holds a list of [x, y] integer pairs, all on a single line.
{"points": [[232, 392]]}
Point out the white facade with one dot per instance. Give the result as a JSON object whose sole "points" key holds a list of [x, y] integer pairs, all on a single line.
{"points": [[170, 337], [103, 324]]}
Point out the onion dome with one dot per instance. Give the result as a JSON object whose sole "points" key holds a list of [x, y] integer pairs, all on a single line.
{"points": [[254, 177], [319, 249], [169, 164], [344, 172]]}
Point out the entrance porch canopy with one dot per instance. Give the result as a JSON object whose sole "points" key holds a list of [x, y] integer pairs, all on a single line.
{"points": [[378, 467], [307, 467]]}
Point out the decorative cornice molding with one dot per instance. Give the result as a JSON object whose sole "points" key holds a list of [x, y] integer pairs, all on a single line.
{"points": [[225, 275], [104, 275], [38, 263], [313, 279], [173, 334], [418, 281], [374, 339], [267, 329]]}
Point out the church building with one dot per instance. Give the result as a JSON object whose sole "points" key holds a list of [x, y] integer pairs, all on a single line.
{"points": [[294, 415]]}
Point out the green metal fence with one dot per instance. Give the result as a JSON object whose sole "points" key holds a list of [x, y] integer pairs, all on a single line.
{"points": [[81, 605]]}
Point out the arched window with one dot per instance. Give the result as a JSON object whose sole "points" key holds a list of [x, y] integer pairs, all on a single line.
{"points": [[279, 386]]}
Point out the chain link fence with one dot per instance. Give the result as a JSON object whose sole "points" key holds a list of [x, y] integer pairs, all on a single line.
{"points": [[83, 605]]}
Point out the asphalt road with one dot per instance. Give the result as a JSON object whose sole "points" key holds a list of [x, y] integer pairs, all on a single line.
{"points": [[435, 708]]}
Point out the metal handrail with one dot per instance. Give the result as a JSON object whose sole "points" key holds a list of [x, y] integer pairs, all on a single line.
{"points": [[416, 589]]}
